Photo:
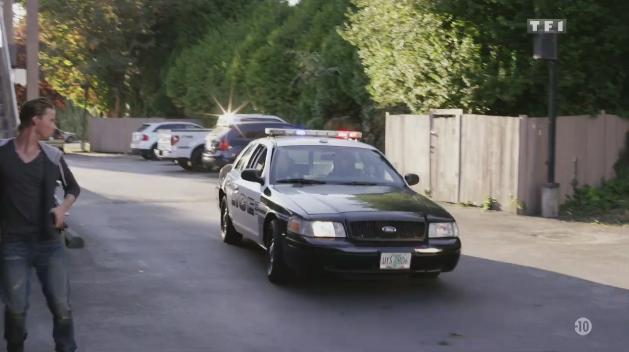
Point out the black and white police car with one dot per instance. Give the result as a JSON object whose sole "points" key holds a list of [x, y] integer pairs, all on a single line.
{"points": [[321, 199]]}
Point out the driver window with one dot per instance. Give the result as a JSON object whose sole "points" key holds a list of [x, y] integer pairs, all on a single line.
{"points": [[259, 164], [344, 165], [259, 159], [244, 157]]}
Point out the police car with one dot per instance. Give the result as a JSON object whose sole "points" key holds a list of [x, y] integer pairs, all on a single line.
{"points": [[322, 200]]}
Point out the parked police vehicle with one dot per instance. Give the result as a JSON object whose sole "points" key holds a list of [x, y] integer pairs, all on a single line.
{"points": [[318, 199], [226, 142], [144, 140]]}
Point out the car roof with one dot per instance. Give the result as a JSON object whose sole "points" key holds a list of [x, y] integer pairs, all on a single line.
{"points": [[174, 122], [285, 141], [256, 116], [249, 123], [238, 118], [261, 122], [168, 123]]}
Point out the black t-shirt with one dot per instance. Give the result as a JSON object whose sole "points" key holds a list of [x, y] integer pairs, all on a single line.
{"points": [[23, 199]]}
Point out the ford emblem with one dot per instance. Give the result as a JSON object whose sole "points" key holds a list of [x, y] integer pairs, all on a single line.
{"points": [[389, 229]]}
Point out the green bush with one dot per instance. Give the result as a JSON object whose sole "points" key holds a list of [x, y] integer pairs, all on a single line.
{"points": [[610, 201]]}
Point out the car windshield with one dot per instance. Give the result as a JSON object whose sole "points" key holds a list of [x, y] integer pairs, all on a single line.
{"points": [[332, 165]]}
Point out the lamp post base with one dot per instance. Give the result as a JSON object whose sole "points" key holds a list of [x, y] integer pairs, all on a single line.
{"points": [[550, 200]]}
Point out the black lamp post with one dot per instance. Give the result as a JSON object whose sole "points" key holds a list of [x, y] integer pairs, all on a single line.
{"points": [[545, 47]]}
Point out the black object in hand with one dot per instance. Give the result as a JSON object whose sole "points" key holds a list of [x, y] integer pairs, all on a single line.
{"points": [[72, 240]]}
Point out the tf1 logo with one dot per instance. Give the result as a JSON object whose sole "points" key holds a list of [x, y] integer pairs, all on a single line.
{"points": [[546, 25]]}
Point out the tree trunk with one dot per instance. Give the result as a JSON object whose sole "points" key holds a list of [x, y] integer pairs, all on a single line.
{"points": [[117, 105]]}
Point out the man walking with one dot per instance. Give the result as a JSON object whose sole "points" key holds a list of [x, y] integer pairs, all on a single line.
{"points": [[30, 221]]}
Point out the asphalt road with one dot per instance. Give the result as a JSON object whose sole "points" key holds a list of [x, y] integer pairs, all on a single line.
{"points": [[155, 276]]}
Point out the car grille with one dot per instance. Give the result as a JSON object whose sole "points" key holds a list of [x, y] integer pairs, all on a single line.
{"points": [[376, 230]]}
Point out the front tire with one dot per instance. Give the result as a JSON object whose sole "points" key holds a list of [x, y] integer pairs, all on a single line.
{"points": [[184, 164], [277, 271], [229, 234]]}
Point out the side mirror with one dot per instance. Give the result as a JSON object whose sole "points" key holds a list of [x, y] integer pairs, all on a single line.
{"points": [[411, 179], [252, 175]]}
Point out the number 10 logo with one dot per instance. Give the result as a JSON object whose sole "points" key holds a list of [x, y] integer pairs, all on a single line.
{"points": [[583, 326]]}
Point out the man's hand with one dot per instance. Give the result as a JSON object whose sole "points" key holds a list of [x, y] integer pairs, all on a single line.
{"points": [[61, 210], [59, 216]]}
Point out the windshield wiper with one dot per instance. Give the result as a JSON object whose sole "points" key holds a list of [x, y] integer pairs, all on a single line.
{"points": [[357, 183], [303, 181]]}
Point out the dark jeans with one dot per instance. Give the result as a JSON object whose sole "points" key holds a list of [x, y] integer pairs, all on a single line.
{"points": [[49, 260]]}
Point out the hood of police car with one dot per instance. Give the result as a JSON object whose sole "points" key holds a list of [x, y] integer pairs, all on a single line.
{"points": [[334, 199]]}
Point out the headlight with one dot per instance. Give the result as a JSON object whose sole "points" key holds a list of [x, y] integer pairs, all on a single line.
{"points": [[319, 229], [443, 229]]}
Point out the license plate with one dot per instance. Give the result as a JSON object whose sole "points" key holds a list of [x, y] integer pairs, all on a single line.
{"points": [[395, 261]]}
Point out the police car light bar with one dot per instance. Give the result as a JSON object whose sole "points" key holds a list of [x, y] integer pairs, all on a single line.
{"points": [[313, 133]]}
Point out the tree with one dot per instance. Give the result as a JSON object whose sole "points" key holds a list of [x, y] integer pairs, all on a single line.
{"points": [[95, 42], [413, 56], [288, 61], [122, 47], [216, 67], [208, 69], [448, 53]]}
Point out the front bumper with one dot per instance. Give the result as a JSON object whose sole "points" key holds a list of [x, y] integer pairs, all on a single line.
{"points": [[141, 145], [344, 256], [163, 154]]}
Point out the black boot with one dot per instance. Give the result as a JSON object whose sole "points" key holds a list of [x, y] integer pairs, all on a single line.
{"points": [[15, 331], [63, 333], [15, 347]]}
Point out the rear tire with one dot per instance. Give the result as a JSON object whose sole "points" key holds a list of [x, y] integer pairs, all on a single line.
{"points": [[277, 271], [229, 234], [151, 152], [196, 159]]}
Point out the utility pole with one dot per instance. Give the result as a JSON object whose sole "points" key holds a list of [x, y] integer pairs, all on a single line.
{"points": [[32, 49], [86, 87], [7, 9]]}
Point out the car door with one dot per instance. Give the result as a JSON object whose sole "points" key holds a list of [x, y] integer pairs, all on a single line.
{"points": [[232, 185], [251, 193]]}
